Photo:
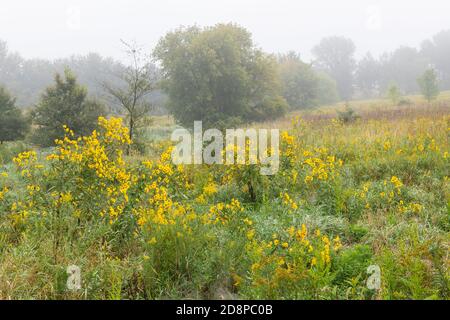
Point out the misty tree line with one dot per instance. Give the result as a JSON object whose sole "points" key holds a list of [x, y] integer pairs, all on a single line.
{"points": [[372, 77], [402, 67], [333, 57], [215, 74], [26, 79]]}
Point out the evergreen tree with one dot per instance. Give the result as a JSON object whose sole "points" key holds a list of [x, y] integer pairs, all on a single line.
{"points": [[65, 103], [13, 125]]}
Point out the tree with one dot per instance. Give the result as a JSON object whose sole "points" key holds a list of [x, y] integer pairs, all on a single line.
{"points": [[327, 92], [393, 94], [402, 67], [367, 77], [429, 85], [217, 75], [335, 56], [437, 50], [65, 103], [11, 70], [138, 82], [13, 125], [299, 82]]}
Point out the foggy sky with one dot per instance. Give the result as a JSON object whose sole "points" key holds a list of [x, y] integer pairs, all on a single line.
{"points": [[59, 28]]}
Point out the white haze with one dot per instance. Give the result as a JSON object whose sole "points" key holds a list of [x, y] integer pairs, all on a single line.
{"points": [[59, 28]]}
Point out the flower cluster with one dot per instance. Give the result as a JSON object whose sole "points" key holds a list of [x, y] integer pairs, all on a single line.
{"points": [[290, 259]]}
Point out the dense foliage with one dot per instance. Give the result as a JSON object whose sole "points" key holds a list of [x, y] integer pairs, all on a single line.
{"points": [[65, 103], [302, 86], [372, 192], [13, 124], [217, 75]]}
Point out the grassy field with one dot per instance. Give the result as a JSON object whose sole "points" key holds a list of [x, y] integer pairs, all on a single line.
{"points": [[370, 192]]}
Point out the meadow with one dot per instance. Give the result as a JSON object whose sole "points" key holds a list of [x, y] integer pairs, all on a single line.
{"points": [[371, 191]]}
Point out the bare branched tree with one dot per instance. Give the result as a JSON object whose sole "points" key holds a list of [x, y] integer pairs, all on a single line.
{"points": [[138, 82]]}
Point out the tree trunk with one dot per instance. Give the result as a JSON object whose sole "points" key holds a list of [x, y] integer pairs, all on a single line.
{"points": [[131, 135], [251, 191]]}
